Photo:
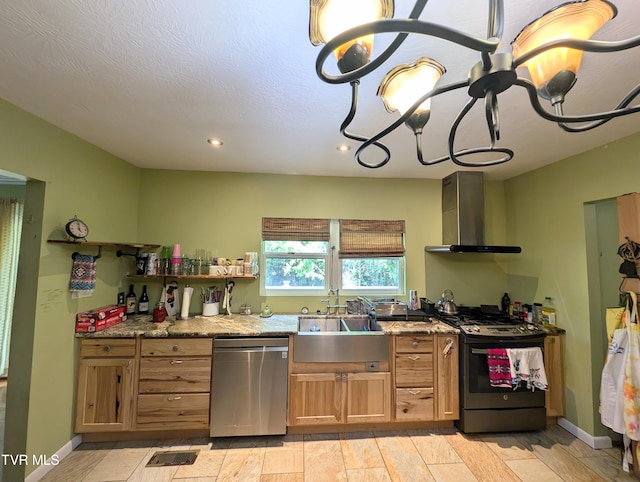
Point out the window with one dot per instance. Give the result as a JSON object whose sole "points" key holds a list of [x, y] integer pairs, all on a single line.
{"points": [[307, 257]]}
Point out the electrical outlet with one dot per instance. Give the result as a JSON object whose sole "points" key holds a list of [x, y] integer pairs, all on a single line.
{"points": [[372, 366]]}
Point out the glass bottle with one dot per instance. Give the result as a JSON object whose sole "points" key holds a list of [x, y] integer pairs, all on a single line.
{"points": [[143, 306], [506, 302], [131, 301]]}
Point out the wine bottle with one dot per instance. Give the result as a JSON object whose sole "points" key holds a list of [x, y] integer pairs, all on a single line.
{"points": [[131, 301], [143, 306]]}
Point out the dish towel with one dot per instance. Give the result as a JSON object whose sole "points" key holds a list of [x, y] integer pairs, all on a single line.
{"points": [[527, 365], [83, 276], [499, 368]]}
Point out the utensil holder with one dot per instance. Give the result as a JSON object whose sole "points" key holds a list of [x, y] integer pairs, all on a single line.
{"points": [[211, 309]]}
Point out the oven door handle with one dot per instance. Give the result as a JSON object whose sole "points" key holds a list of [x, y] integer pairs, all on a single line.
{"points": [[479, 351]]}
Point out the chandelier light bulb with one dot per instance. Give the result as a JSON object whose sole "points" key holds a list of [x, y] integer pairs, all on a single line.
{"points": [[329, 18], [577, 20]]}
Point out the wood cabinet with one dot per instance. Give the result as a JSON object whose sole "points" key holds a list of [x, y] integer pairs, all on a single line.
{"points": [[447, 377], [174, 384], [339, 397], [554, 369], [426, 377], [414, 384], [106, 377]]}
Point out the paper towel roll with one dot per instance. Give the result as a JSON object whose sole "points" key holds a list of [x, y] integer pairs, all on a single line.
{"points": [[186, 301]]}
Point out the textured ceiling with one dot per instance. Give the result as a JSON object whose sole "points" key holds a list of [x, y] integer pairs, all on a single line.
{"points": [[151, 81]]}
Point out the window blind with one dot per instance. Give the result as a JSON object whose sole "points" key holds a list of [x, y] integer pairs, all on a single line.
{"points": [[298, 229], [371, 239]]}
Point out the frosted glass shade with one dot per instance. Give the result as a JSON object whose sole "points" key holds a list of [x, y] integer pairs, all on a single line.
{"points": [[577, 20], [329, 18], [405, 84]]}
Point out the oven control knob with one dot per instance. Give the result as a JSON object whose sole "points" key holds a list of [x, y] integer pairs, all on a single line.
{"points": [[531, 327], [476, 328], [505, 397]]}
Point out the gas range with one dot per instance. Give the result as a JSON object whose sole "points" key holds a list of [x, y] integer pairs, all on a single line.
{"points": [[489, 321]]}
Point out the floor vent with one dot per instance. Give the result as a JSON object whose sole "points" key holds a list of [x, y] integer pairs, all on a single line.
{"points": [[173, 457]]}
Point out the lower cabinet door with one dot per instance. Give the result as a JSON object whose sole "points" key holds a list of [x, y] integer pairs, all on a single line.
{"points": [[315, 399], [104, 395], [414, 404], [368, 397], [172, 411]]}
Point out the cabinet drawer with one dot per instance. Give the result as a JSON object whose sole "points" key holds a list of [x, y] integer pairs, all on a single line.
{"points": [[107, 347], [414, 404], [414, 370], [177, 347], [175, 410], [173, 375], [413, 344]]}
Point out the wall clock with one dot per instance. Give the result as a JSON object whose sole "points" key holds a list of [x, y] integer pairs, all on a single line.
{"points": [[76, 228]]}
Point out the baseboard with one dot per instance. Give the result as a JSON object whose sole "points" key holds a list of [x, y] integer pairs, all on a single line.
{"points": [[65, 450], [602, 442]]}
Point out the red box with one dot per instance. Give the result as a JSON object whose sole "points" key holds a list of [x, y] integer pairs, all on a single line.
{"points": [[100, 318]]}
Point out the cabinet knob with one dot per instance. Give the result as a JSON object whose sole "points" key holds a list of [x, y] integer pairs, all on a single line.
{"points": [[344, 377], [106, 348], [338, 377], [175, 347], [415, 344]]}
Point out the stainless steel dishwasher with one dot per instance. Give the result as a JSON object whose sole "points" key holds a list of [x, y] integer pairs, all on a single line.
{"points": [[249, 386]]}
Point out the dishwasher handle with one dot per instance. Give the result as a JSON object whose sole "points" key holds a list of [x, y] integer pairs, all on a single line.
{"points": [[248, 343], [252, 349]]}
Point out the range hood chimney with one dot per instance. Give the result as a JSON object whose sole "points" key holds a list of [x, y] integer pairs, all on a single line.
{"points": [[463, 216]]}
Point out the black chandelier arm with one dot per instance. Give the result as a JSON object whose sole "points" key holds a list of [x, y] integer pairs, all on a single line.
{"points": [[419, 153], [403, 118], [622, 105], [455, 156], [343, 130], [608, 115], [597, 46], [401, 26]]}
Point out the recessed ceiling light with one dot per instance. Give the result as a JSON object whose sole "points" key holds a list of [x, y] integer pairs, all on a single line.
{"points": [[214, 142], [344, 147]]}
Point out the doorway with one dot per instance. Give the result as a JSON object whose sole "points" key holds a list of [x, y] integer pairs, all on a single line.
{"points": [[601, 225], [16, 409]]}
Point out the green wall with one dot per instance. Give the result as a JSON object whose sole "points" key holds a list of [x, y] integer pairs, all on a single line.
{"points": [[546, 212], [81, 179]]}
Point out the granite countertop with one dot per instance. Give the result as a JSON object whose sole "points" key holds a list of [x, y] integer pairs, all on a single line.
{"points": [[242, 325]]}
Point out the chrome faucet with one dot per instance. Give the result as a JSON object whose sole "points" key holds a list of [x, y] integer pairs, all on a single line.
{"points": [[336, 306]]}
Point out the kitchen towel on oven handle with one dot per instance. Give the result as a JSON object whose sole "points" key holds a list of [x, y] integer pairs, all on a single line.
{"points": [[527, 365]]}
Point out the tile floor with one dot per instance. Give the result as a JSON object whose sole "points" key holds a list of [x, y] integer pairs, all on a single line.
{"points": [[411, 455]]}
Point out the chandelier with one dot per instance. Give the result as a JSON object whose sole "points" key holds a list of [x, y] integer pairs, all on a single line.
{"points": [[549, 48]]}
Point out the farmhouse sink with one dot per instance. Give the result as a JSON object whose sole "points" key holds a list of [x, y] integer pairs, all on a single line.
{"points": [[347, 338], [341, 324]]}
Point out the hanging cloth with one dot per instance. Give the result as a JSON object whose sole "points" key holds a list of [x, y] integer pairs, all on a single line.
{"points": [[499, 368], [82, 282], [620, 382]]}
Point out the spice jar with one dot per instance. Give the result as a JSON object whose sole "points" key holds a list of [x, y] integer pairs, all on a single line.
{"points": [[159, 313]]}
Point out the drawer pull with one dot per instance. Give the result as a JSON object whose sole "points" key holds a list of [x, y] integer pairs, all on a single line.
{"points": [[338, 377], [448, 347], [106, 348], [174, 398], [175, 362], [175, 347], [415, 344], [414, 358], [415, 392]]}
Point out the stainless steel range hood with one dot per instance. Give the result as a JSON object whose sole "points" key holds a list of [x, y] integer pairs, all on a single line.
{"points": [[463, 216]]}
